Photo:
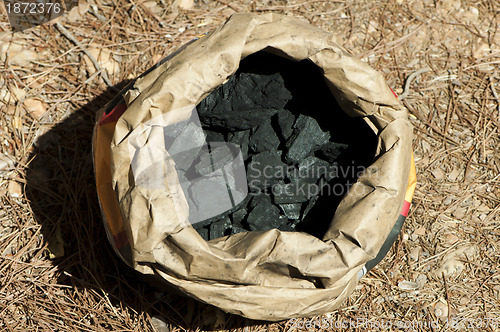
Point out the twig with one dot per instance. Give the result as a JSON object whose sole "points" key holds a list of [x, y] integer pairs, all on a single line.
{"points": [[233, 7], [75, 41], [447, 296], [430, 125], [410, 79], [495, 94]]}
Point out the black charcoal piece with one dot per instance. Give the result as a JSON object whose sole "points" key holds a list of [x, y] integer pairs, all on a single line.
{"points": [[256, 198], [240, 138], [310, 169], [219, 228], [237, 229], [203, 231], [264, 170], [307, 136], [238, 216], [264, 138], [292, 211], [293, 192], [246, 100], [287, 154], [285, 121], [214, 157], [287, 228], [308, 207], [208, 197], [265, 216], [214, 136], [331, 151], [185, 147]]}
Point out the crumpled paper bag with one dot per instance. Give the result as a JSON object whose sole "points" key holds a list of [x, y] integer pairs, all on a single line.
{"points": [[268, 275]]}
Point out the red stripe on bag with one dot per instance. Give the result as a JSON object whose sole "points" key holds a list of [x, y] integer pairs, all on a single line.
{"points": [[114, 115], [406, 208], [120, 239]]}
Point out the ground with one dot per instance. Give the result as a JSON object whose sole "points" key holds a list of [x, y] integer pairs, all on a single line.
{"points": [[57, 270]]}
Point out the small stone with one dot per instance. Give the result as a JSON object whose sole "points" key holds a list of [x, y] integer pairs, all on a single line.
{"points": [[15, 189], [6, 162], [438, 173], [185, 4], [459, 213], [414, 253], [421, 280], [453, 175], [307, 136], [291, 211], [441, 309], [160, 324], [420, 231], [407, 285], [448, 200], [36, 108]]}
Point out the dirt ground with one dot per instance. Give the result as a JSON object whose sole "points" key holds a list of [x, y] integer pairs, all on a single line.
{"points": [[57, 270]]}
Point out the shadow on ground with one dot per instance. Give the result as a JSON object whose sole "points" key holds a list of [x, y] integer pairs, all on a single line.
{"points": [[62, 195]]}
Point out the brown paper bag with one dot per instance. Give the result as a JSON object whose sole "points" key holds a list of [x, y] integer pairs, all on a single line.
{"points": [[269, 275]]}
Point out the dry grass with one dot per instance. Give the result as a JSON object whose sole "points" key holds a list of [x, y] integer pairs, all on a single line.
{"points": [[449, 244]]}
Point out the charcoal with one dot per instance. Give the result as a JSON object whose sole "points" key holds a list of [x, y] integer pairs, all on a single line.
{"points": [[173, 130], [237, 229], [307, 136], [264, 216], [310, 170], [264, 170], [289, 158], [185, 147], [331, 151], [239, 216], [256, 199], [219, 228], [208, 197], [240, 138], [285, 121], [214, 157], [293, 192], [204, 233], [292, 211], [264, 138], [214, 136], [287, 228], [246, 100], [308, 207]]}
